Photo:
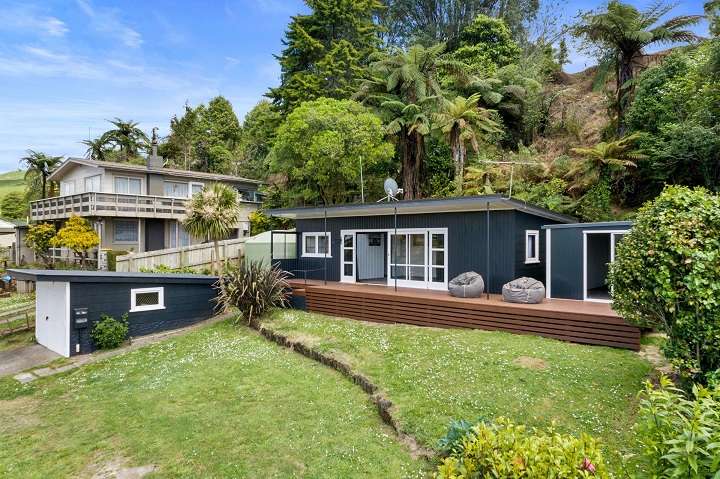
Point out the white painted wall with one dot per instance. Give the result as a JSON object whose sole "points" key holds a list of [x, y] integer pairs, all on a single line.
{"points": [[52, 316], [370, 259], [78, 174]]}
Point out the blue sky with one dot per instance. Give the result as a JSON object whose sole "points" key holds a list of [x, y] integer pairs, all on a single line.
{"points": [[67, 66]]}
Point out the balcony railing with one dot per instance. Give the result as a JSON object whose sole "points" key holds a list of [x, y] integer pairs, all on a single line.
{"points": [[107, 204]]}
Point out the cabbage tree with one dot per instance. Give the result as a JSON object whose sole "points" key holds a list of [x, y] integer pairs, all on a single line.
{"points": [[213, 214]]}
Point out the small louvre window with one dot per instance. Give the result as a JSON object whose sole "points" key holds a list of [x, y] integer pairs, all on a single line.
{"points": [[147, 299], [532, 246]]}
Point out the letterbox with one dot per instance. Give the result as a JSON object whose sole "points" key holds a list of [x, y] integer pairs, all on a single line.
{"points": [[80, 316]]}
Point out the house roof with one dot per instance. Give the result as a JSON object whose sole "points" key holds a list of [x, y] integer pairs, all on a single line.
{"points": [[81, 276], [431, 205], [58, 173], [8, 226]]}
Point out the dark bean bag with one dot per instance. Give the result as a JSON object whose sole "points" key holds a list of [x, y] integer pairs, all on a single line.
{"points": [[523, 290], [467, 285]]}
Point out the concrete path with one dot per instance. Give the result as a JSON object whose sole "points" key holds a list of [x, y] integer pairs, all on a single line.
{"points": [[25, 357]]}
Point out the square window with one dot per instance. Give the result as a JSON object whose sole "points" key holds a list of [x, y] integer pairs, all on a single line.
{"points": [[316, 245], [126, 231], [147, 299]]}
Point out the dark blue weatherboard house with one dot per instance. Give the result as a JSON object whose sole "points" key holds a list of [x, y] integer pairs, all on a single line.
{"points": [[69, 303], [421, 243], [578, 256]]}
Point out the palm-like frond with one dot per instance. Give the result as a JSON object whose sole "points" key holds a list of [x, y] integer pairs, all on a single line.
{"points": [[602, 159], [213, 213]]}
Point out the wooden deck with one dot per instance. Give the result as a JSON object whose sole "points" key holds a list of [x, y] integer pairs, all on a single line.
{"points": [[575, 321]]}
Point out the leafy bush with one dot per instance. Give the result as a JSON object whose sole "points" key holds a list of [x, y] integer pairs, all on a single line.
{"points": [[78, 235], [39, 239], [253, 288], [665, 276], [161, 268], [595, 204], [109, 333], [112, 258], [680, 435], [503, 449], [457, 431]]}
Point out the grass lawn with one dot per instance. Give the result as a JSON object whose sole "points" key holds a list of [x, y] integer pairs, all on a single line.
{"points": [[16, 300], [217, 402], [435, 375], [16, 340], [12, 181]]}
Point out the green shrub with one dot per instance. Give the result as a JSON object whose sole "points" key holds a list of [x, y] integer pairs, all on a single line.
{"points": [[457, 431], [161, 268], [112, 258], [109, 333], [680, 435], [595, 204], [252, 288], [665, 276], [504, 450]]}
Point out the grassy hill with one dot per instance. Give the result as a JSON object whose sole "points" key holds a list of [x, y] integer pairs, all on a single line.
{"points": [[11, 181]]}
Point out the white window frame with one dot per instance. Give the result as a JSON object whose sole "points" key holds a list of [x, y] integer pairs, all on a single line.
{"points": [[127, 178], [187, 195], [67, 187], [532, 259], [134, 308], [190, 187], [316, 234], [92, 178]]}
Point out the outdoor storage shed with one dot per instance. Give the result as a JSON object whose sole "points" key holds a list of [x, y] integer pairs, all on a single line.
{"points": [[259, 249], [69, 303], [578, 256]]}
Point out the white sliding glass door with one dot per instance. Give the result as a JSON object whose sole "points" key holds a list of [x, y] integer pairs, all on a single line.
{"points": [[418, 258]]}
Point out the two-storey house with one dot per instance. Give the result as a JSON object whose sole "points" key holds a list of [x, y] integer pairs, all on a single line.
{"points": [[136, 207]]}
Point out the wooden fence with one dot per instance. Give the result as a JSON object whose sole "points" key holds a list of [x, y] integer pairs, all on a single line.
{"points": [[17, 318], [196, 256]]}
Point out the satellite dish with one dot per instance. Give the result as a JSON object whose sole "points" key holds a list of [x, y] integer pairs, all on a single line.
{"points": [[391, 187]]}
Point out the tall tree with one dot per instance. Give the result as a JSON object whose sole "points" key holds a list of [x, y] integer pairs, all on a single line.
{"points": [[40, 165], [96, 149], [213, 213], [621, 32], [462, 121], [323, 148], [127, 137], [432, 21], [485, 45], [258, 134], [217, 135], [405, 88], [712, 13], [179, 147], [326, 51]]}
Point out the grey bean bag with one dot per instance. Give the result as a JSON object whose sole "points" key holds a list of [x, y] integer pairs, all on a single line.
{"points": [[467, 285], [523, 290]]}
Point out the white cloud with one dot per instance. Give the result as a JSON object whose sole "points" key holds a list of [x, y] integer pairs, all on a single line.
{"points": [[108, 21], [28, 19]]}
